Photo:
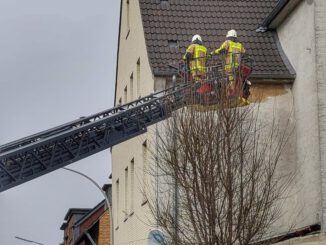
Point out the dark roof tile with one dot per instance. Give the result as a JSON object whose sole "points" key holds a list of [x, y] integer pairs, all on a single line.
{"points": [[179, 20]]}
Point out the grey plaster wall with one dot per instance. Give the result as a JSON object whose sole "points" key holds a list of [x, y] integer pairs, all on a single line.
{"points": [[276, 113], [297, 37], [320, 42]]}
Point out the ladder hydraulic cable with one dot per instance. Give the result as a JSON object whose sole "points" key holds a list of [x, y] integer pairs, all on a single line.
{"points": [[41, 153]]}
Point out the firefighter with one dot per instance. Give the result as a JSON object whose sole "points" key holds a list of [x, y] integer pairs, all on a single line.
{"points": [[233, 51], [195, 57]]}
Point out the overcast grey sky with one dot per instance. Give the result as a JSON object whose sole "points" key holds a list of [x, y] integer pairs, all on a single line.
{"points": [[57, 63]]}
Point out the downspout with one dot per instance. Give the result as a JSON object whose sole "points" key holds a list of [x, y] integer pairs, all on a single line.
{"points": [[320, 42]]}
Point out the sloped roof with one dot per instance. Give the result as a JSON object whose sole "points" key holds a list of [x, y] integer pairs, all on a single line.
{"points": [[72, 211], [90, 212], [170, 24]]}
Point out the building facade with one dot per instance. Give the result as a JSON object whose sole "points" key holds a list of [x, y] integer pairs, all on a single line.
{"points": [[134, 79], [89, 226], [72, 216], [287, 41]]}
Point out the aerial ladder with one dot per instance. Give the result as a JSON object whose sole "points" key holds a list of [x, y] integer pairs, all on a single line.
{"points": [[41, 153], [44, 152]]}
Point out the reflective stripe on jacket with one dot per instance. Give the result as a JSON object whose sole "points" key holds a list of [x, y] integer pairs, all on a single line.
{"points": [[197, 62], [233, 53]]}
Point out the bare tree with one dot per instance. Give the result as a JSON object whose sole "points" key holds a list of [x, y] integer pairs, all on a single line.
{"points": [[215, 177]]}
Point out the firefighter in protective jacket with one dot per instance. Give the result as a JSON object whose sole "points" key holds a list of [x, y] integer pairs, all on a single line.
{"points": [[233, 51], [196, 58]]}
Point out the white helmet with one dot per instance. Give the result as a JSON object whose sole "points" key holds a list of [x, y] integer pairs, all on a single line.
{"points": [[196, 37], [231, 33]]}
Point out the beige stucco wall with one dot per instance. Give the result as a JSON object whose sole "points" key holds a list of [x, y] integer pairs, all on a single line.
{"points": [[296, 35], [131, 224], [132, 47]]}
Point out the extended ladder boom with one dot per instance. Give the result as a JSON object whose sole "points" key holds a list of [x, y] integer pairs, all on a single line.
{"points": [[41, 153]]}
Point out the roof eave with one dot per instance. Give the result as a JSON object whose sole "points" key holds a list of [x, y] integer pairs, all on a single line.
{"points": [[92, 211], [281, 16], [76, 211], [256, 77], [63, 226], [272, 78], [278, 15]]}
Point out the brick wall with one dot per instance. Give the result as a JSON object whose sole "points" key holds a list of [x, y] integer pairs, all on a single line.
{"points": [[104, 229], [69, 231]]}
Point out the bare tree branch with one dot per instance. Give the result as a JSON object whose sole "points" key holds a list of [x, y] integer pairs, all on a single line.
{"points": [[222, 162]]}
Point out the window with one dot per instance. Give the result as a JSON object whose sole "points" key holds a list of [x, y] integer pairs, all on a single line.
{"points": [[120, 101], [173, 44], [126, 193], [117, 201], [164, 4], [128, 17], [132, 185], [131, 87], [125, 94], [138, 78], [145, 171]]}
